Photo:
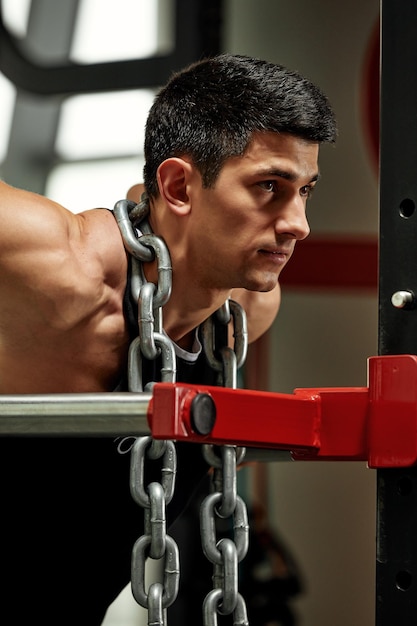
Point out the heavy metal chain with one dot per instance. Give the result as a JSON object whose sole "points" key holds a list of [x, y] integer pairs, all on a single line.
{"points": [[147, 247], [223, 359], [155, 543], [223, 502]]}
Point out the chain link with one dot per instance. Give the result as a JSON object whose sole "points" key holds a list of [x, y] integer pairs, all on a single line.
{"points": [[168, 366], [150, 344], [223, 503], [210, 609], [240, 335], [131, 242], [155, 543], [208, 514]]}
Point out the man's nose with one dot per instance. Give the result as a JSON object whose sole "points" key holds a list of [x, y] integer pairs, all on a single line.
{"points": [[292, 219]]}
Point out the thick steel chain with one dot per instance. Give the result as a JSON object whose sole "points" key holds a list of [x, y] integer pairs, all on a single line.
{"points": [[155, 543], [225, 554], [224, 502], [151, 343], [147, 247], [221, 358]]}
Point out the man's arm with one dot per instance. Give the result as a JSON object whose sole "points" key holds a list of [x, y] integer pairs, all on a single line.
{"points": [[61, 281], [39, 248]]}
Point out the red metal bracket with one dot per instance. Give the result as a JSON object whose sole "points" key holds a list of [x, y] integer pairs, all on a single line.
{"points": [[376, 424]]}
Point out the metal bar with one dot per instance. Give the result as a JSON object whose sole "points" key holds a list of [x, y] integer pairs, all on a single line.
{"points": [[396, 568], [73, 415]]}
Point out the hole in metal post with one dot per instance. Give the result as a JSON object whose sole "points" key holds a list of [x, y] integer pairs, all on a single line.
{"points": [[407, 208], [403, 580]]}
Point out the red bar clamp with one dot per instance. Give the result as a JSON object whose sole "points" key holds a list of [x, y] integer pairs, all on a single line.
{"points": [[377, 424]]}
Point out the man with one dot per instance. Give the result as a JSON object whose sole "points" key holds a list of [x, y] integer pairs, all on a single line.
{"points": [[231, 155]]}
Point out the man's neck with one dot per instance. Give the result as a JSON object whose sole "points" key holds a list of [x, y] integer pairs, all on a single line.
{"points": [[191, 302], [183, 314], [189, 305]]}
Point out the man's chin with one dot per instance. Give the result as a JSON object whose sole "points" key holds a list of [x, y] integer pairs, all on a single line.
{"points": [[262, 286]]}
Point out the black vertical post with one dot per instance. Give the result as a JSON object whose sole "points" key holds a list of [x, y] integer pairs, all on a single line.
{"points": [[396, 585]]}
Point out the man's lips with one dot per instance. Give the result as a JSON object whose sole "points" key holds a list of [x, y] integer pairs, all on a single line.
{"points": [[276, 255]]}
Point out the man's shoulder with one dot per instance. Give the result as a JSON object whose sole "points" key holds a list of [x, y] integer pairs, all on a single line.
{"points": [[100, 237]]}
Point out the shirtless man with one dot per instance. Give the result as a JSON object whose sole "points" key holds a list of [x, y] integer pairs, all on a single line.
{"points": [[231, 155]]}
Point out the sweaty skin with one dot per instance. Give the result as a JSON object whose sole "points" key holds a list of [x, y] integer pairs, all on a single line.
{"points": [[63, 275]]}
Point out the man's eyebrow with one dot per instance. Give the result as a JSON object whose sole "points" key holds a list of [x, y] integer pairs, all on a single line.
{"points": [[287, 175]]}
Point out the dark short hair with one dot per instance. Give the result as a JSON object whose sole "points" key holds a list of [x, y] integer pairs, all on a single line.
{"points": [[210, 110]]}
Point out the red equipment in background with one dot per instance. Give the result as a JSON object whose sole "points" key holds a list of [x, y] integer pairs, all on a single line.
{"points": [[376, 424]]}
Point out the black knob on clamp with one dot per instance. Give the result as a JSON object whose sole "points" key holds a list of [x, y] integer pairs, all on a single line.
{"points": [[203, 414]]}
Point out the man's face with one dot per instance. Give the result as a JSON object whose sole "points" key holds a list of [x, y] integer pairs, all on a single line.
{"points": [[244, 229]]}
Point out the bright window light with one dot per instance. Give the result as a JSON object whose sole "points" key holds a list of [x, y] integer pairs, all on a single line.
{"points": [[16, 15], [99, 125], [112, 31], [82, 186], [7, 99]]}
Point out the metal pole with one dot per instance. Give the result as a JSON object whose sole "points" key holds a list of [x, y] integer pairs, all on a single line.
{"points": [[73, 415], [396, 594]]}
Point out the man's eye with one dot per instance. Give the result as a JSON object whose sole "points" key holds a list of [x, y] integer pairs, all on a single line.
{"points": [[268, 185], [306, 191]]}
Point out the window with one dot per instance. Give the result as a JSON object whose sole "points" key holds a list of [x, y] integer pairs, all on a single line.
{"points": [[16, 15], [100, 125], [93, 184], [122, 29], [7, 99], [100, 137]]}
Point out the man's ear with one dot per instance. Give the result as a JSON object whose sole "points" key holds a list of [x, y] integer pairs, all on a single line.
{"points": [[174, 175]]}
